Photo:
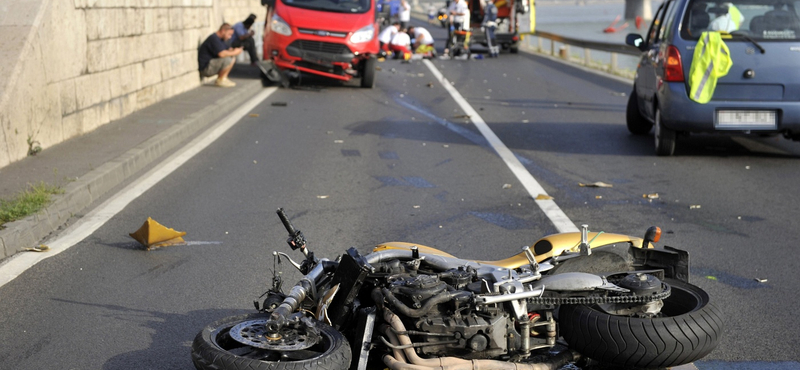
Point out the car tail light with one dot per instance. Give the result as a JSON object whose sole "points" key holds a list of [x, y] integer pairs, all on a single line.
{"points": [[673, 67]]}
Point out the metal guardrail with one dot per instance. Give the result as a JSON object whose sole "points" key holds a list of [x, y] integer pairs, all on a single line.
{"points": [[612, 48]]}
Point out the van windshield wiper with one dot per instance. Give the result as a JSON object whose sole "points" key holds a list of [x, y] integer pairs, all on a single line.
{"points": [[748, 38]]}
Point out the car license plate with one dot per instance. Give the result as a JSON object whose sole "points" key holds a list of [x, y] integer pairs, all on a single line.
{"points": [[747, 119]]}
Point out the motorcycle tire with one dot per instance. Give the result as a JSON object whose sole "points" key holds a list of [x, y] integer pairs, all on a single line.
{"points": [[688, 329], [214, 349]]}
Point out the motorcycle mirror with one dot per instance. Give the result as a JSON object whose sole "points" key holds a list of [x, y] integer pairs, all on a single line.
{"points": [[652, 235]]}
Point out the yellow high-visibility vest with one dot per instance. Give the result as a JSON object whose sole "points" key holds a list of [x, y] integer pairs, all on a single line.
{"points": [[711, 61]]}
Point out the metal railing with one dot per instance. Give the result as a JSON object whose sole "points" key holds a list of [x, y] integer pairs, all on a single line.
{"points": [[614, 49]]}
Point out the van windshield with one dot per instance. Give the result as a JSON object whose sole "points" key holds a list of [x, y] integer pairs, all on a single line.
{"points": [[339, 6], [768, 20]]}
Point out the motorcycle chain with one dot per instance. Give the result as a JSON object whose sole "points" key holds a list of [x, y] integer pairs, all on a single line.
{"points": [[590, 300]]}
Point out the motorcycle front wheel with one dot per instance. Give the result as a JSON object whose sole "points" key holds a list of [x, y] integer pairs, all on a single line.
{"points": [[215, 349], [688, 329]]}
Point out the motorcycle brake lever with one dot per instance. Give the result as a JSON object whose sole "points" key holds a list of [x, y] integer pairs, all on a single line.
{"points": [[291, 261]]}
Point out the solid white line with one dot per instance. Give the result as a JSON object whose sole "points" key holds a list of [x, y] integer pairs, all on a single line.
{"points": [[550, 208], [88, 224]]}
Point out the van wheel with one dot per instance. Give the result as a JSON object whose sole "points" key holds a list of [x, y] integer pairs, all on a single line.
{"points": [[368, 73], [665, 138], [637, 124]]}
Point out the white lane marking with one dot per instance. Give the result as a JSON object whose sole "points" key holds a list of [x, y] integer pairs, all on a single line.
{"points": [[93, 220], [549, 207]]}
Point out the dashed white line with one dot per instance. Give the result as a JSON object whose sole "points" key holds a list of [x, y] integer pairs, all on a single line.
{"points": [[96, 218], [548, 206]]}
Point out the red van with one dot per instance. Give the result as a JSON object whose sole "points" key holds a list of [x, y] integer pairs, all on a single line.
{"points": [[332, 38]]}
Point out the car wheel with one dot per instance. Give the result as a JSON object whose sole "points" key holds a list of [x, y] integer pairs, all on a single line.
{"points": [[637, 124], [368, 73], [665, 138]]}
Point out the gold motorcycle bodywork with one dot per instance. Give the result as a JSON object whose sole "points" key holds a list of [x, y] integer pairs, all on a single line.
{"points": [[546, 247]]}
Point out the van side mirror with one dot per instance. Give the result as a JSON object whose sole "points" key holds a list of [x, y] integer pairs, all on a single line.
{"points": [[636, 40], [269, 3]]}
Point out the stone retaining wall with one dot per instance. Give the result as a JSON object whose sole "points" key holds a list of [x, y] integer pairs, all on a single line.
{"points": [[70, 66]]}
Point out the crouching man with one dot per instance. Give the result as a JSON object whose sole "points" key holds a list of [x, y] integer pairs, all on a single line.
{"points": [[215, 58]]}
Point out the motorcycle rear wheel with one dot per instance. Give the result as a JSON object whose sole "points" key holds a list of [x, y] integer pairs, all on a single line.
{"points": [[214, 349], [688, 329]]}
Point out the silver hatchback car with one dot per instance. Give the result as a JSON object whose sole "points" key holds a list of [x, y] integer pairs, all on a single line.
{"points": [[760, 94]]}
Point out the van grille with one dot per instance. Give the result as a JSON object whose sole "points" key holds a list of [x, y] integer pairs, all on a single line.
{"points": [[320, 47]]}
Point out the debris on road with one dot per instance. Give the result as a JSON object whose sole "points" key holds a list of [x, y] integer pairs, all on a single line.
{"points": [[430, 84], [694, 206], [465, 116], [445, 146], [506, 186], [650, 196], [415, 207], [279, 104], [40, 248], [255, 115], [153, 235], [598, 184], [338, 141], [598, 197], [322, 196], [544, 197], [255, 162], [760, 280]]}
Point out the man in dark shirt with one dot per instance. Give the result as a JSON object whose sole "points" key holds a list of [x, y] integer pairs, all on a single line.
{"points": [[215, 58], [243, 36]]}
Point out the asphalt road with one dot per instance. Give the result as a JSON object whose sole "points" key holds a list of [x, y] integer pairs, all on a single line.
{"points": [[355, 167]]}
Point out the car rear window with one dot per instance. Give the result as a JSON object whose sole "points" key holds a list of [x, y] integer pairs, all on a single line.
{"points": [[769, 20]]}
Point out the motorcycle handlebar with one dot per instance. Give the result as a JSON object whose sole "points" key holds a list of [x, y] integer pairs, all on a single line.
{"points": [[286, 223]]}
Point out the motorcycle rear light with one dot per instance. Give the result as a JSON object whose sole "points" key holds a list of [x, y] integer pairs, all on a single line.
{"points": [[673, 67]]}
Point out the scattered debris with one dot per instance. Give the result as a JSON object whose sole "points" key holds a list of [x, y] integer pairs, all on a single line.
{"points": [[153, 235], [760, 280], [465, 116], [618, 93], [598, 197], [420, 75], [694, 206], [378, 68], [650, 196], [506, 186], [525, 121], [338, 141], [598, 184], [415, 207], [440, 226], [254, 115], [503, 103], [40, 248], [322, 196], [255, 162], [709, 277], [445, 146], [544, 197], [430, 84], [747, 167], [279, 104]]}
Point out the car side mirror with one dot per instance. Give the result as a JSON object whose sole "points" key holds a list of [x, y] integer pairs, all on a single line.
{"points": [[636, 40], [269, 3]]}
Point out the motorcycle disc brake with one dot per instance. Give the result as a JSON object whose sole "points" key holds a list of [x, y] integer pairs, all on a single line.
{"points": [[254, 333]]}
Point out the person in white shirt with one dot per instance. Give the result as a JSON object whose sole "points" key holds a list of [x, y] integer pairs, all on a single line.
{"points": [[400, 45], [405, 14], [423, 41], [385, 37], [459, 13]]}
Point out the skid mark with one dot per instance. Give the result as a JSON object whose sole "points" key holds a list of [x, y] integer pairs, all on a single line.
{"points": [[503, 220], [351, 153], [418, 182], [388, 155]]}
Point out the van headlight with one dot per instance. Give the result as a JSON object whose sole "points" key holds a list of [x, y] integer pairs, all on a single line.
{"points": [[363, 35], [280, 26]]}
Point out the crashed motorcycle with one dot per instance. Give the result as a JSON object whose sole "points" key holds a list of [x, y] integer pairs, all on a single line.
{"points": [[585, 297]]}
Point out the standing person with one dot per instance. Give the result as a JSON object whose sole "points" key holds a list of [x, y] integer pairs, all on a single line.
{"points": [[423, 41], [459, 13], [490, 25], [385, 37], [400, 45], [243, 37], [405, 14], [431, 14], [214, 57]]}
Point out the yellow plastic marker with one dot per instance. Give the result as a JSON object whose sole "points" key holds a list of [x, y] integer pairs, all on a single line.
{"points": [[154, 235]]}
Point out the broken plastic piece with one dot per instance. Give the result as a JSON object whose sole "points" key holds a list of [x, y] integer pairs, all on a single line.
{"points": [[650, 196], [40, 248], [694, 206], [154, 235], [254, 115], [543, 197], [760, 280], [598, 184], [506, 186]]}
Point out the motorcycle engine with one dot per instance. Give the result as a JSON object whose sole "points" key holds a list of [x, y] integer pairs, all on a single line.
{"points": [[453, 327]]}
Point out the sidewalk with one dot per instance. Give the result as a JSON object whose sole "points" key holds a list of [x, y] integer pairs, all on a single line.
{"points": [[89, 166]]}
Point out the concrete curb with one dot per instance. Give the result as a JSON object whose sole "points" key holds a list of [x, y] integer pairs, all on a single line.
{"points": [[79, 194]]}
